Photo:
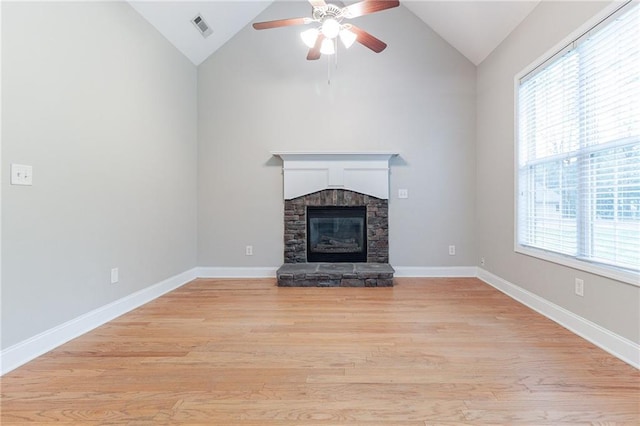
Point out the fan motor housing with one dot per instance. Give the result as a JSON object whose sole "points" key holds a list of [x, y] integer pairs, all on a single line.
{"points": [[328, 11]]}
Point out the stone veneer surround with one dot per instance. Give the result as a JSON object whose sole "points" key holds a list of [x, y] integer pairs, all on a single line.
{"points": [[295, 222]]}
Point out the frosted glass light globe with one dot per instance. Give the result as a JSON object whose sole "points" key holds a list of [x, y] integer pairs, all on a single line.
{"points": [[327, 47], [347, 37], [330, 28], [309, 37]]}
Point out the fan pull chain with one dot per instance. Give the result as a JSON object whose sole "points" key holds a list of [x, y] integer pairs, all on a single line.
{"points": [[329, 70], [335, 55]]}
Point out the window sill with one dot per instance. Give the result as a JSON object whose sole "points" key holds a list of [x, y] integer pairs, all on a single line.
{"points": [[622, 275]]}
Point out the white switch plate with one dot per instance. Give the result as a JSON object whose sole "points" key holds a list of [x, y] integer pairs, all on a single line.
{"points": [[403, 193], [21, 174]]}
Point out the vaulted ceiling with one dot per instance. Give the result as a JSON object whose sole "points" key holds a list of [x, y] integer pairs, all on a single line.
{"points": [[475, 28]]}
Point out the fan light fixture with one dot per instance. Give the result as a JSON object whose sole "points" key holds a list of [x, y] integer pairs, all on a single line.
{"points": [[330, 29]]}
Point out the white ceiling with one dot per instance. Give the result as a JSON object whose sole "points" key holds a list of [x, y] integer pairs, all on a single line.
{"points": [[173, 20], [474, 27]]}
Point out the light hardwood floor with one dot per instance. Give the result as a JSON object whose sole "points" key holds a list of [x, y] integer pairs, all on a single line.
{"points": [[245, 352]]}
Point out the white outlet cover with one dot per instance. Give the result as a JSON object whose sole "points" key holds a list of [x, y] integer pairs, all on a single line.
{"points": [[579, 287], [21, 174], [114, 275], [403, 193]]}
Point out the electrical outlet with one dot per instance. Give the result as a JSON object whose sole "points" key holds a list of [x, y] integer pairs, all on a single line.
{"points": [[248, 251], [21, 174], [482, 261], [403, 193], [579, 287], [114, 275], [452, 250]]}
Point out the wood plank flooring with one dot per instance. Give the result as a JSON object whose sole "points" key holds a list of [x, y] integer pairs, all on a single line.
{"points": [[245, 352]]}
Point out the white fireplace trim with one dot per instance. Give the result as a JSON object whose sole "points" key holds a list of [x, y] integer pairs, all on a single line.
{"points": [[308, 172]]}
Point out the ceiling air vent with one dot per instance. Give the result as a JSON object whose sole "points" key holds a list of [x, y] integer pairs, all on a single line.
{"points": [[202, 26]]}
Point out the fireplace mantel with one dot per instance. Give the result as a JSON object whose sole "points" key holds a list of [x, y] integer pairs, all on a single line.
{"points": [[308, 172]]}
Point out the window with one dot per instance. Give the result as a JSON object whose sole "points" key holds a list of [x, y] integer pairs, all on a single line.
{"points": [[578, 165]]}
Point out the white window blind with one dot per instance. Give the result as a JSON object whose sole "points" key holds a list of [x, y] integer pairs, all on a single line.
{"points": [[579, 148]]}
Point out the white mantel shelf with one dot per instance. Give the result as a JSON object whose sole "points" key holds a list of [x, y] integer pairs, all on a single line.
{"points": [[336, 155], [308, 172]]}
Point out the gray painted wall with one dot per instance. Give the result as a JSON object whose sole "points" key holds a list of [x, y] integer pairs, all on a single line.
{"points": [[104, 108], [258, 94], [106, 112], [611, 304]]}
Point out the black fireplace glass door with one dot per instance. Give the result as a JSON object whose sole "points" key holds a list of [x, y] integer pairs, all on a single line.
{"points": [[336, 234]]}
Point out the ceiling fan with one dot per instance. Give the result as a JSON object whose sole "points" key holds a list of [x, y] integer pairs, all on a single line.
{"points": [[322, 40]]}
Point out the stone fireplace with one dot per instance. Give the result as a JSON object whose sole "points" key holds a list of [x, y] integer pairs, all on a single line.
{"points": [[336, 227], [296, 244]]}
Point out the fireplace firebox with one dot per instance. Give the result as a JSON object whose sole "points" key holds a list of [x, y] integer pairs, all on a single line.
{"points": [[336, 234]]}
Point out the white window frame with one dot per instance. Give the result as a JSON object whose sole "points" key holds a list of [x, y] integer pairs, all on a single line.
{"points": [[608, 271]]}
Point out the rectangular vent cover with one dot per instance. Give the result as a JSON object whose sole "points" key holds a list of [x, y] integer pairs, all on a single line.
{"points": [[202, 26]]}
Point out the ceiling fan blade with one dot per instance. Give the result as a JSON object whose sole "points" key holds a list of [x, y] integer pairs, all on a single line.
{"points": [[317, 3], [369, 6], [280, 23], [314, 52], [366, 39]]}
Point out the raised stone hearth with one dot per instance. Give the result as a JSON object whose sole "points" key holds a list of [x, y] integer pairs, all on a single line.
{"points": [[335, 275]]}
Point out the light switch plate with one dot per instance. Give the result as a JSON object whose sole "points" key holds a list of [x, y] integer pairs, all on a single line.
{"points": [[21, 174], [403, 193]]}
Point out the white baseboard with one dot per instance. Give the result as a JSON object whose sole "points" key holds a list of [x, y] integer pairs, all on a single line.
{"points": [[23, 352], [435, 272], [236, 272], [270, 272], [616, 345]]}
